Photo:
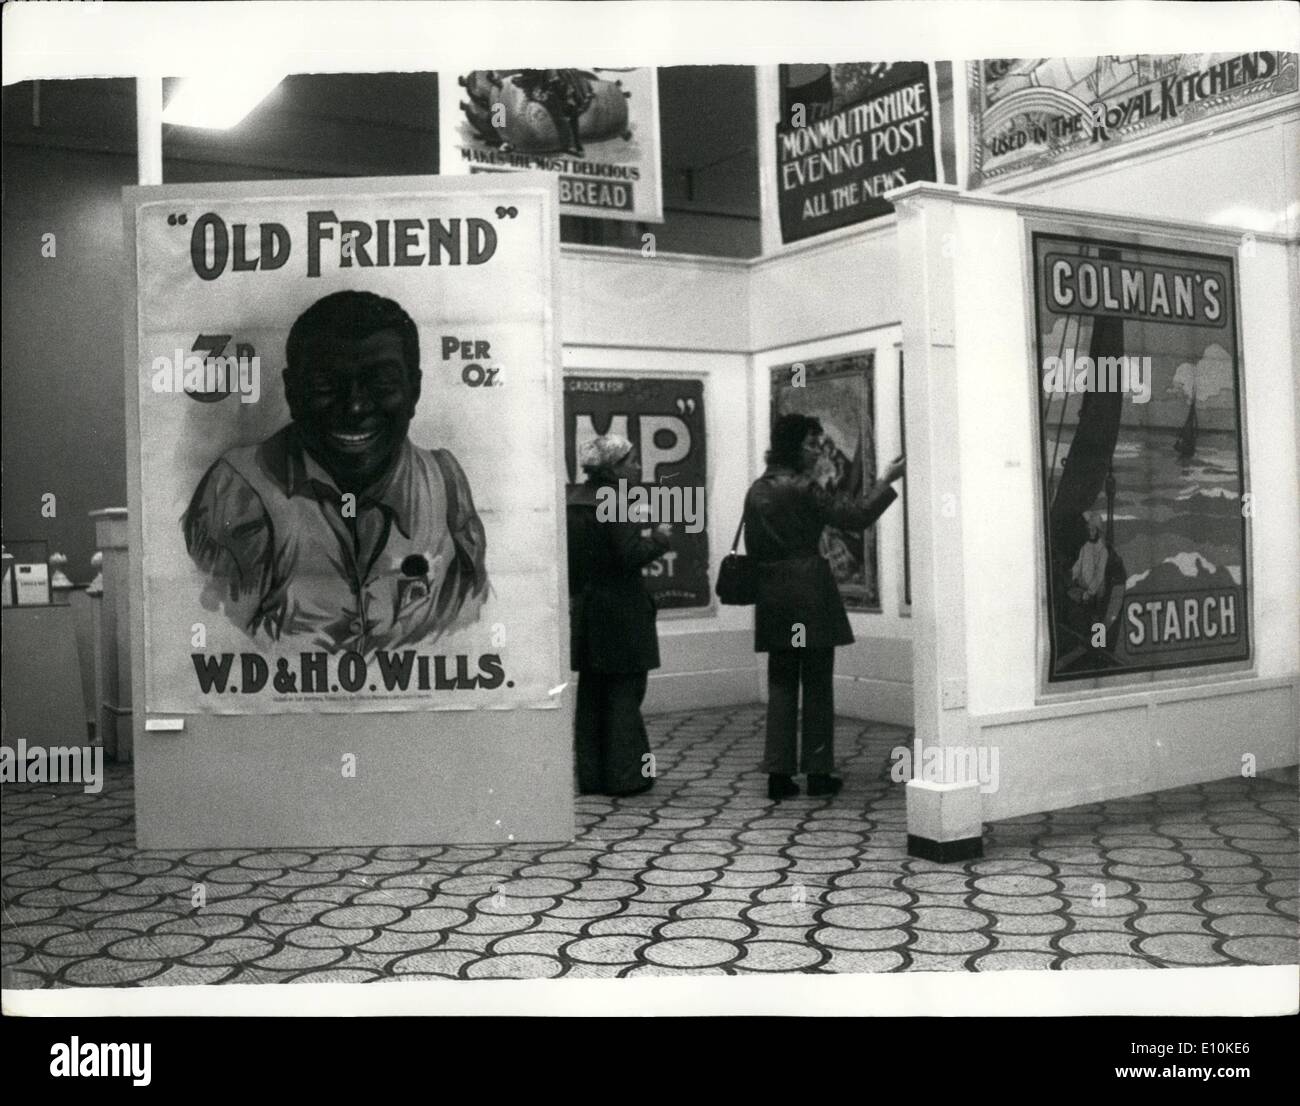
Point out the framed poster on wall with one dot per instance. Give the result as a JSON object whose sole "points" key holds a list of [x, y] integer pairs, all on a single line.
{"points": [[840, 392], [596, 130], [1032, 113], [848, 134], [1141, 462], [664, 418]]}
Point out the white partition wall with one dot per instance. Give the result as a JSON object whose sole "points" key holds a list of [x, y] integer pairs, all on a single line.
{"points": [[1196, 172], [979, 617], [629, 315]]}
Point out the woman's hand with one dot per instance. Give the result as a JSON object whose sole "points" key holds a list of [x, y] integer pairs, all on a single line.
{"points": [[896, 469]]}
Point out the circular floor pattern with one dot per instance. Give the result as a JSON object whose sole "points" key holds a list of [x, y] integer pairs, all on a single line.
{"points": [[704, 875]]}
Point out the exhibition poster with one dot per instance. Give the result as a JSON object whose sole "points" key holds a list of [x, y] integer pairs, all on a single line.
{"points": [[839, 391], [1031, 113], [350, 483], [1139, 419], [664, 418], [849, 133], [596, 130]]}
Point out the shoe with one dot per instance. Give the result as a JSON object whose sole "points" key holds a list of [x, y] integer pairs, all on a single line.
{"points": [[824, 785], [781, 787]]}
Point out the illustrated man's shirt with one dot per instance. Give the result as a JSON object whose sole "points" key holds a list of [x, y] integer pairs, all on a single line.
{"points": [[288, 557]]}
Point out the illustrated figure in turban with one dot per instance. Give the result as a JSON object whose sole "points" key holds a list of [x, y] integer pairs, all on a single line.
{"points": [[1089, 571]]}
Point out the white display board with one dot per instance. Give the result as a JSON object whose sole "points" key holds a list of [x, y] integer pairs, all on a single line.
{"points": [[975, 400]]}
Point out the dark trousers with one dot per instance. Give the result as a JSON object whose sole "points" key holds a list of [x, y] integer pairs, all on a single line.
{"points": [[787, 671], [610, 739]]}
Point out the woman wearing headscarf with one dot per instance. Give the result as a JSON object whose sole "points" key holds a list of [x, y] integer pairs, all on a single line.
{"points": [[799, 616], [614, 644]]}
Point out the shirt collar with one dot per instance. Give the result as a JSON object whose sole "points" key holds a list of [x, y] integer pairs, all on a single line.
{"points": [[776, 468], [395, 491]]}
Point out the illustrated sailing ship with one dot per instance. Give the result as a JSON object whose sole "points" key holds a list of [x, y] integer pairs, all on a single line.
{"points": [[1185, 443], [1086, 472]]}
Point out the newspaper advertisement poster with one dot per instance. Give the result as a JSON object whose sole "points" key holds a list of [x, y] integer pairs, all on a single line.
{"points": [[336, 384], [596, 130], [848, 134]]}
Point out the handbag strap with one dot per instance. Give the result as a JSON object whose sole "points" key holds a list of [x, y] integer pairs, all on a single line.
{"points": [[739, 530]]}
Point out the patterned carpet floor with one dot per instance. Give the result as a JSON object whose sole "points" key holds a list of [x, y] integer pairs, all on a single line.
{"points": [[703, 874]]}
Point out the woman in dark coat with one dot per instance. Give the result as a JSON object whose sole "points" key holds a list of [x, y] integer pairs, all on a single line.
{"points": [[799, 617], [612, 624]]}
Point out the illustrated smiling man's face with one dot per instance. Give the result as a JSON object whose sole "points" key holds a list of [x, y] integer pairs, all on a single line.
{"points": [[353, 400]]}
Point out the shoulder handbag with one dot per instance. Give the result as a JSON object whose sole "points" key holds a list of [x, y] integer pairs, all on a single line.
{"points": [[737, 575]]}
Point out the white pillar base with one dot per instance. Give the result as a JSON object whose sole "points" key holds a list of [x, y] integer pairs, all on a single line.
{"points": [[944, 821]]}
